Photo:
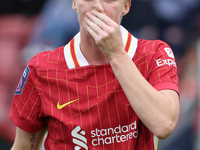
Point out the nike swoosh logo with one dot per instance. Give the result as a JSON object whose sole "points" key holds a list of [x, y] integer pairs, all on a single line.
{"points": [[65, 104]]}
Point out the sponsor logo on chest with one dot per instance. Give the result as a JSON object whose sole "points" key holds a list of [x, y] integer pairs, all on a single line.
{"points": [[104, 136]]}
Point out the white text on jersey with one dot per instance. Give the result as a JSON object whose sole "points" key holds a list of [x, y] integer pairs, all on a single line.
{"points": [[169, 62]]}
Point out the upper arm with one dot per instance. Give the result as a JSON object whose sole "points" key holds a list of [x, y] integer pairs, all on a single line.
{"points": [[28, 141]]}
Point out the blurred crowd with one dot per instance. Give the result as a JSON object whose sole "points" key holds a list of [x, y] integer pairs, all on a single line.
{"points": [[28, 27]]}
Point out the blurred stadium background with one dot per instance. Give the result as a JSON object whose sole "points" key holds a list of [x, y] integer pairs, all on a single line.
{"points": [[31, 26]]}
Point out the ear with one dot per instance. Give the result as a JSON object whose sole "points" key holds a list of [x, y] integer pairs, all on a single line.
{"points": [[74, 7], [126, 8]]}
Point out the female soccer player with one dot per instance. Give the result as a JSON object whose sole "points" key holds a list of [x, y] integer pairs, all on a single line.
{"points": [[105, 89]]}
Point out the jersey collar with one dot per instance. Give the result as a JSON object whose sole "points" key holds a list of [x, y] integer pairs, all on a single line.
{"points": [[74, 57]]}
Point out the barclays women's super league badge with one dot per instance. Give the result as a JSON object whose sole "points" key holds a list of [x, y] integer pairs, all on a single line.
{"points": [[22, 81]]}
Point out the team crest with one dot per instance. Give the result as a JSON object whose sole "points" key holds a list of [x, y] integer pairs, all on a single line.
{"points": [[22, 81]]}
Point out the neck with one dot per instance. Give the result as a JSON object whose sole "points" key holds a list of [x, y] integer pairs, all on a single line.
{"points": [[90, 50]]}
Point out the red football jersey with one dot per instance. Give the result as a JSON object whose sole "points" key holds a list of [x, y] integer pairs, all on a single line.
{"points": [[84, 106]]}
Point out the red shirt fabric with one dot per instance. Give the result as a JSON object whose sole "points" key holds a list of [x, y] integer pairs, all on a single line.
{"points": [[84, 106]]}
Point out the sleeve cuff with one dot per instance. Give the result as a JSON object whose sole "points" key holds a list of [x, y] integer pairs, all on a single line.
{"points": [[166, 86], [22, 123]]}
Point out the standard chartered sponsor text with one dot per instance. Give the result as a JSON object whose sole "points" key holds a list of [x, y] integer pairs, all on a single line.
{"points": [[112, 135]]}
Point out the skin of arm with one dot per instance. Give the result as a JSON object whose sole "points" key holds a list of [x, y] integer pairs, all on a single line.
{"points": [[158, 110], [28, 141]]}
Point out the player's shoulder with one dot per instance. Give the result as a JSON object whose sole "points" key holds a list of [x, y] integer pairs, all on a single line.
{"points": [[151, 46], [155, 51], [48, 59]]}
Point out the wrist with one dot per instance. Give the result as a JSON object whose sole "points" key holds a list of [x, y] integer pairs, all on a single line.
{"points": [[119, 59]]}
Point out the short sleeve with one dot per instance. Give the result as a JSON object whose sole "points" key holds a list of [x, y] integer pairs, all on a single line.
{"points": [[163, 72], [26, 105]]}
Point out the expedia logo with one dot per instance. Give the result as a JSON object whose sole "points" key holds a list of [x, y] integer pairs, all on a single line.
{"points": [[79, 139], [22, 81], [169, 62]]}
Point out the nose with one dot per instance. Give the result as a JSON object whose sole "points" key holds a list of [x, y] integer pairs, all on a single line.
{"points": [[98, 5]]}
